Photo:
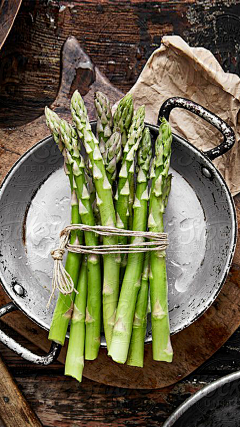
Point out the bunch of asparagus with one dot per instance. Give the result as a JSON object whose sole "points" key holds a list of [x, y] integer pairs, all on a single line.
{"points": [[117, 182]]}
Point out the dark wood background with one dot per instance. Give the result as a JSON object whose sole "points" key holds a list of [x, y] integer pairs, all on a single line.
{"points": [[60, 401], [119, 38]]}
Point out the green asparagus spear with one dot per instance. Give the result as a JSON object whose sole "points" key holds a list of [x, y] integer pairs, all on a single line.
{"points": [[127, 170], [111, 152], [110, 143], [104, 120], [136, 349], [63, 309], [93, 309], [123, 117], [132, 278], [75, 353], [64, 306], [92, 191], [131, 200], [53, 123], [161, 345], [122, 121], [106, 208]]}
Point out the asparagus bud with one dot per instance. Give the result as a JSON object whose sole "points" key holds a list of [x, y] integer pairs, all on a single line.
{"points": [[53, 122], [105, 120], [123, 116], [112, 155]]}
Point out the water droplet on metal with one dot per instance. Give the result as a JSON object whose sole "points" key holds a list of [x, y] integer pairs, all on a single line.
{"points": [[18, 289], [206, 173]]}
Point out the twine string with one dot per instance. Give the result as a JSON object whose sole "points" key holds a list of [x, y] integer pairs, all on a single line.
{"points": [[62, 279]]}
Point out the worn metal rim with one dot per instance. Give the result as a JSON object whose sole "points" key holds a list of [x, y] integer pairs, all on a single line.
{"points": [[198, 396], [199, 154]]}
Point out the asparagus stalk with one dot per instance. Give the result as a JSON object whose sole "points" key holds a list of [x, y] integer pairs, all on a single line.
{"points": [[93, 309], [91, 189], [63, 309], [136, 349], [53, 123], [112, 153], [106, 208], [131, 200], [132, 278], [75, 353], [92, 192], [64, 306], [127, 170], [123, 116], [104, 120], [161, 344], [110, 143]]}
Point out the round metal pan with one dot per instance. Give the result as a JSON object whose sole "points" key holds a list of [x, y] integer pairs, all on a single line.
{"points": [[217, 404], [200, 220]]}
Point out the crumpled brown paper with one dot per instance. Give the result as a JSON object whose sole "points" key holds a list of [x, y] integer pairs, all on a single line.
{"points": [[176, 69]]}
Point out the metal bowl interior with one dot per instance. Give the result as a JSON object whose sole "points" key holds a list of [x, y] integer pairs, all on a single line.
{"points": [[215, 405], [200, 220]]}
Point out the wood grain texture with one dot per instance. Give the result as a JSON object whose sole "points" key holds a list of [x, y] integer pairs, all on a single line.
{"points": [[14, 409], [193, 345], [8, 13], [119, 37], [78, 72], [61, 401]]}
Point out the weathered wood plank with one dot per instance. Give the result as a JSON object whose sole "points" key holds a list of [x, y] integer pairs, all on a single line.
{"points": [[89, 404], [8, 12], [77, 72], [14, 409], [59, 400], [119, 37]]}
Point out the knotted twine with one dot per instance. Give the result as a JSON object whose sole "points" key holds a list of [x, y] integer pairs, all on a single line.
{"points": [[62, 279]]}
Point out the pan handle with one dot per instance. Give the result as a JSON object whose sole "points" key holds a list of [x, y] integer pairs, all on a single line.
{"points": [[22, 351], [226, 131]]}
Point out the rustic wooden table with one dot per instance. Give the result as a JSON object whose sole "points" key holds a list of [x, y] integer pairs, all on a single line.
{"points": [[119, 38]]}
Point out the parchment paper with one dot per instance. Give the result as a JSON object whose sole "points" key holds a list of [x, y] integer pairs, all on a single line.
{"points": [[176, 69]]}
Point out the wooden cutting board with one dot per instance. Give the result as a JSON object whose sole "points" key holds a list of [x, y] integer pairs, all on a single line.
{"points": [[194, 345]]}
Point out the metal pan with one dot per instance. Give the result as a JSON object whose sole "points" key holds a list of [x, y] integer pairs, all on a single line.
{"points": [[200, 220], [215, 405]]}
